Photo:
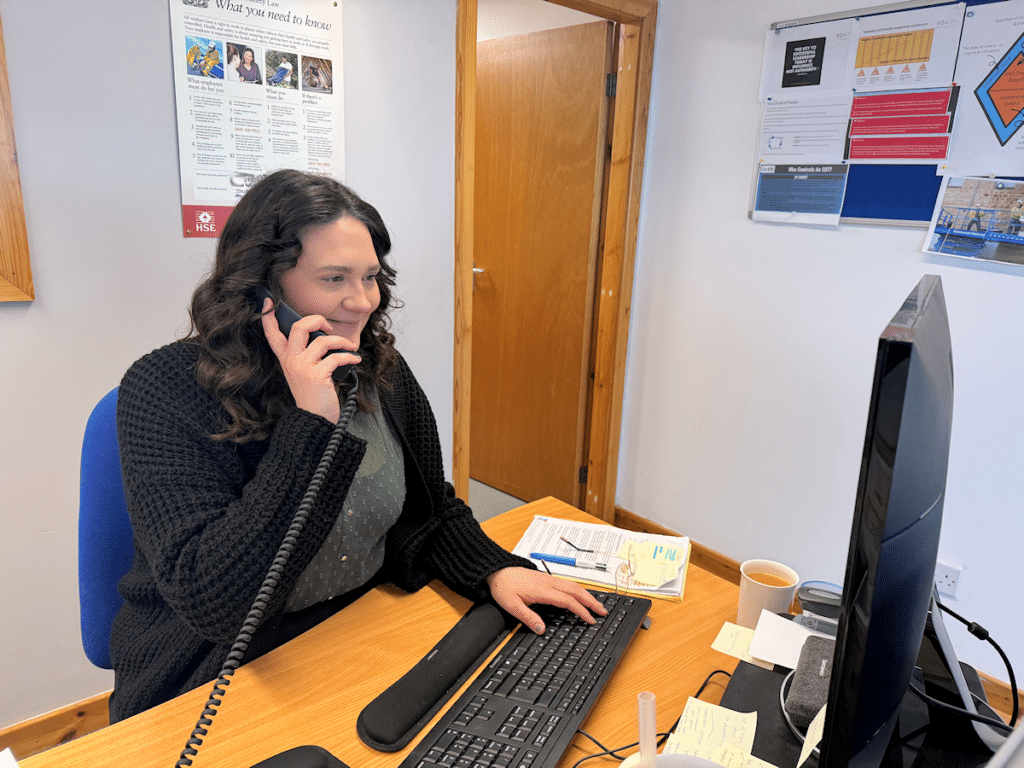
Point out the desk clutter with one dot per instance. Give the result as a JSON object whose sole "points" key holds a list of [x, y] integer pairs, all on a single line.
{"points": [[731, 733], [646, 564], [525, 707], [305, 692], [655, 566], [772, 714]]}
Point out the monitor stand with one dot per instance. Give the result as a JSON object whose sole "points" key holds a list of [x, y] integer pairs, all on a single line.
{"points": [[949, 681], [936, 740]]}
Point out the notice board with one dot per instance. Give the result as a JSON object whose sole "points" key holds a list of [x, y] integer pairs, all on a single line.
{"points": [[893, 193]]}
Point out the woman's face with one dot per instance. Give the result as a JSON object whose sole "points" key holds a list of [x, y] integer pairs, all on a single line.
{"points": [[336, 276], [247, 58]]}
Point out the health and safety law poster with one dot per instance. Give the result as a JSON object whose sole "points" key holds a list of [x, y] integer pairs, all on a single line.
{"points": [[258, 87]]}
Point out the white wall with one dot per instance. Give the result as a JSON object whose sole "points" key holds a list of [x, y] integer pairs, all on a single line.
{"points": [[92, 94], [752, 346]]}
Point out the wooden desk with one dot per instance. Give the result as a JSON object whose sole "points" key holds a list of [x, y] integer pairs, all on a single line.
{"points": [[311, 690]]}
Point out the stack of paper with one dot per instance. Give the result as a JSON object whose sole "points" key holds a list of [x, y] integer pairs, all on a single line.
{"points": [[612, 558]]}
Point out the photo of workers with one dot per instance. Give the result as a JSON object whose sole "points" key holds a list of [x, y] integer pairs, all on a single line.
{"points": [[317, 75], [282, 69], [204, 57], [979, 218]]}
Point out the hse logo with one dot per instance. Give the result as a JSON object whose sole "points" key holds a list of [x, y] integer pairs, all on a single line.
{"points": [[205, 221]]}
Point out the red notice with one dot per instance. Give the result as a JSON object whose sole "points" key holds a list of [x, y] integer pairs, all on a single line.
{"points": [[890, 125], [910, 126], [896, 103], [899, 148]]}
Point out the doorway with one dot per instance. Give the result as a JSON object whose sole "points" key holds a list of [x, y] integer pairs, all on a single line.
{"points": [[635, 44], [541, 121]]}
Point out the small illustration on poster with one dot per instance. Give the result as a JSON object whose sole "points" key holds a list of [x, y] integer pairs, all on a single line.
{"points": [[317, 75], [204, 57], [285, 68]]}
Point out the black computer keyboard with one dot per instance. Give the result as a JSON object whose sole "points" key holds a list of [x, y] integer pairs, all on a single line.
{"points": [[524, 708]]}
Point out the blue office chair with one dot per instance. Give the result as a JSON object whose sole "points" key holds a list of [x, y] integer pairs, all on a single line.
{"points": [[105, 549]]}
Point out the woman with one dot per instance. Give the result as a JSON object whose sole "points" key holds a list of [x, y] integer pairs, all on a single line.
{"points": [[249, 70], [234, 61], [220, 434]]}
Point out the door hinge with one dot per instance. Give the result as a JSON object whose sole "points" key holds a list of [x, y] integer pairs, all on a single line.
{"points": [[583, 474], [609, 84]]}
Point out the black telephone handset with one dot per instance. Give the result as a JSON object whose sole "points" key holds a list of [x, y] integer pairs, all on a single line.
{"points": [[286, 317]]}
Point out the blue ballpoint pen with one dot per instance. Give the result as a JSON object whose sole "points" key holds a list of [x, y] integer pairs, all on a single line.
{"points": [[562, 560]]}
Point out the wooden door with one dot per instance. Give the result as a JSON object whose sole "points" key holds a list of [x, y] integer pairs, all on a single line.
{"points": [[541, 122]]}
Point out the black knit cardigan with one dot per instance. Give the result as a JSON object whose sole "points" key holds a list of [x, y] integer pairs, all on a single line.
{"points": [[208, 517]]}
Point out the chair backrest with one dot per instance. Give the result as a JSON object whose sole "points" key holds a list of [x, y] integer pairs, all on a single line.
{"points": [[105, 549]]}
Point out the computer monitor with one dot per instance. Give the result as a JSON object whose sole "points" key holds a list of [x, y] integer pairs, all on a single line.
{"points": [[890, 569]]}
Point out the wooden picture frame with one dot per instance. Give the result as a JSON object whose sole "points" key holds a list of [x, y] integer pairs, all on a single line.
{"points": [[15, 266]]}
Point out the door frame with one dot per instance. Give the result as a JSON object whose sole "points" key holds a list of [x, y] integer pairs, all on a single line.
{"points": [[619, 224]]}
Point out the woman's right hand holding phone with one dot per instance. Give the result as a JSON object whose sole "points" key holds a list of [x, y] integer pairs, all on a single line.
{"points": [[308, 365]]}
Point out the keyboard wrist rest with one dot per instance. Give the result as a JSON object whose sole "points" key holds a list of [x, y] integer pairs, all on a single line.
{"points": [[391, 720]]}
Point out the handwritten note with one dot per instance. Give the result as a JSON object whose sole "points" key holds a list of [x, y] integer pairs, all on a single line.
{"points": [[734, 640], [704, 728], [733, 757]]}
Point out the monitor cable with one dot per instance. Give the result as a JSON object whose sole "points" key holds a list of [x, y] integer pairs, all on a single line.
{"points": [[975, 629], [913, 689], [933, 702], [259, 606], [982, 634]]}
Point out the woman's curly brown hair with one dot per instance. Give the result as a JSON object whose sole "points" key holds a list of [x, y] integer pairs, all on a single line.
{"points": [[261, 241]]}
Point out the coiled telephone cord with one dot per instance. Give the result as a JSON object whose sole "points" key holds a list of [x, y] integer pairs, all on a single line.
{"points": [[259, 606]]}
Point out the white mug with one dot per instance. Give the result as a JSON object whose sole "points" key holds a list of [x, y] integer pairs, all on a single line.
{"points": [[764, 585]]}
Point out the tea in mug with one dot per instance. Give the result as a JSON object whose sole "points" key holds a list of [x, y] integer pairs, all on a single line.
{"points": [[770, 579]]}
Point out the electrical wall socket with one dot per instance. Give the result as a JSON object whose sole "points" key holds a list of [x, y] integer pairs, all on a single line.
{"points": [[946, 578]]}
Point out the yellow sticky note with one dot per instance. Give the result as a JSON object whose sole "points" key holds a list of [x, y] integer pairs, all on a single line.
{"points": [[729, 756], [703, 729], [733, 757], [725, 755], [734, 641], [656, 564], [813, 737]]}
